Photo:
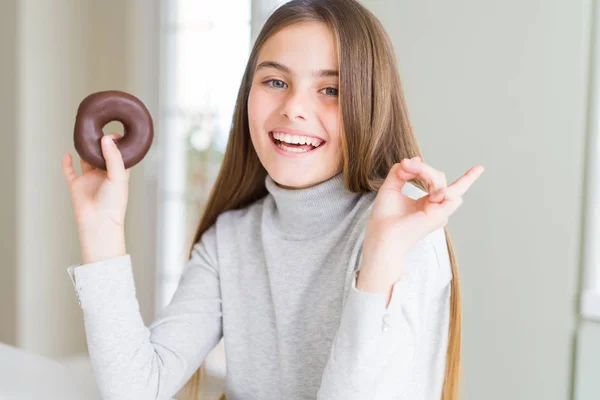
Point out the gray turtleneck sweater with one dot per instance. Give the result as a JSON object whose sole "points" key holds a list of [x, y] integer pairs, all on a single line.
{"points": [[277, 280]]}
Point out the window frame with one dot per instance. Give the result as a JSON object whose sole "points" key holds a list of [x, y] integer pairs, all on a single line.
{"points": [[589, 306]]}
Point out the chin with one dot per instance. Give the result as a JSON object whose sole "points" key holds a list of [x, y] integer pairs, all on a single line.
{"points": [[291, 179]]}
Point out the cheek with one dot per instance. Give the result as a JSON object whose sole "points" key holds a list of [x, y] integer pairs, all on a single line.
{"points": [[255, 113], [252, 106], [330, 119], [259, 106]]}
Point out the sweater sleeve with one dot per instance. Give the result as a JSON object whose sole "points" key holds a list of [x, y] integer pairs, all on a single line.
{"points": [[130, 360], [372, 338]]}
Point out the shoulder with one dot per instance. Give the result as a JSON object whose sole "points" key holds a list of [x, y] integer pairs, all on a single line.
{"points": [[242, 216], [229, 223], [216, 239]]}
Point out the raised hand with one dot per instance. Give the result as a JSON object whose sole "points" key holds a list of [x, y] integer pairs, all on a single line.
{"points": [[99, 202], [398, 222]]}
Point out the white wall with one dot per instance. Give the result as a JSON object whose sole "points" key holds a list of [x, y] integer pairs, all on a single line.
{"points": [[53, 55], [51, 59], [502, 83]]}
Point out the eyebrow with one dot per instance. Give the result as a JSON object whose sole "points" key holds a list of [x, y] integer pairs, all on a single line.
{"points": [[322, 73]]}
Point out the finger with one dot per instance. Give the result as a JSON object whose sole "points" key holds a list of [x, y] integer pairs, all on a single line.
{"points": [[439, 196], [460, 186], [393, 180], [85, 166], [398, 176], [406, 174], [115, 168], [67, 168], [435, 179], [114, 136], [452, 197]]}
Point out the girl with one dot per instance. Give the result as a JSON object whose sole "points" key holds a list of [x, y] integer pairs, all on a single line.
{"points": [[326, 271]]}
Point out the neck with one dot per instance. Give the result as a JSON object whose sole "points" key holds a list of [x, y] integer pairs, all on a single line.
{"points": [[308, 212]]}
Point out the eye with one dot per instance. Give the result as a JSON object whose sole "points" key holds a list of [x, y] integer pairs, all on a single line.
{"points": [[330, 91], [275, 83]]}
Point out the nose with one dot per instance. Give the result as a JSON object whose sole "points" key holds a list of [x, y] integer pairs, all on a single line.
{"points": [[295, 106]]}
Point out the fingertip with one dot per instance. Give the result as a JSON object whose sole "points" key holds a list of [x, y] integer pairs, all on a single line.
{"points": [[108, 145], [438, 196], [478, 169], [410, 164], [67, 168], [405, 163]]}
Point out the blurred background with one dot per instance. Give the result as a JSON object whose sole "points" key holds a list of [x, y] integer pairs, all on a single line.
{"points": [[513, 85]]}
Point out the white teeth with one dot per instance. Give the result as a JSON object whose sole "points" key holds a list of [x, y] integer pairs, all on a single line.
{"points": [[294, 139], [291, 149]]}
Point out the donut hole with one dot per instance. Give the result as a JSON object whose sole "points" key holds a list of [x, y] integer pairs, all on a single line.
{"points": [[114, 127]]}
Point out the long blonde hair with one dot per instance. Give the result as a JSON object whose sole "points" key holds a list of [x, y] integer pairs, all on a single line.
{"points": [[375, 128]]}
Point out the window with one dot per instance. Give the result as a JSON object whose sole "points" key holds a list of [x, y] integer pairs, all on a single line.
{"points": [[205, 46]]}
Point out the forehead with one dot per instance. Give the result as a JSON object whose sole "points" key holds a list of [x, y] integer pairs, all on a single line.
{"points": [[302, 46]]}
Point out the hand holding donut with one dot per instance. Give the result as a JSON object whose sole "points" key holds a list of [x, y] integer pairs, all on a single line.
{"points": [[99, 201], [398, 222], [99, 195]]}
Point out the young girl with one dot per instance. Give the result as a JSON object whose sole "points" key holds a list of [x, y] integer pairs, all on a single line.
{"points": [[328, 273]]}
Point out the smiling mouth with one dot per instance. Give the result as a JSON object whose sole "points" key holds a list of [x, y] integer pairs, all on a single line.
{"points": [[295, 147]]}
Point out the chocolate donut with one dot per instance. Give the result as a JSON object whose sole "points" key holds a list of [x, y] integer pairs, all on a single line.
{"points": [[100, 108]]}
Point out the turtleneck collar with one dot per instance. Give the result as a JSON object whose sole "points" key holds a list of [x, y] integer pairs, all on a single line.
{"points": [[310, 212]]}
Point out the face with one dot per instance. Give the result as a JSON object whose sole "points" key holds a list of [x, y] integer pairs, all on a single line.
{"points": [[293, 106]]}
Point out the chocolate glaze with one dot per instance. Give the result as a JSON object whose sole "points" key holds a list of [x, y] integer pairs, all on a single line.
{"points": [[100, 108]]}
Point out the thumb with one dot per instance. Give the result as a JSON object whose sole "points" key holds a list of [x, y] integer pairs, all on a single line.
{"points": [[115, 167]]}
